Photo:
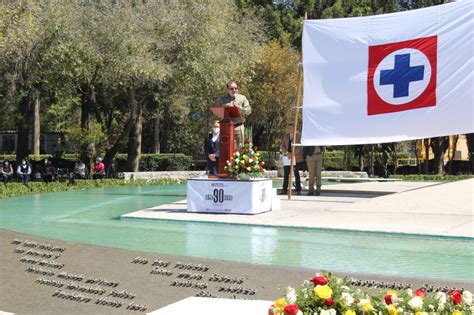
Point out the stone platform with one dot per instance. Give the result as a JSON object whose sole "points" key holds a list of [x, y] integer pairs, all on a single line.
{"points": [[427, 208]]}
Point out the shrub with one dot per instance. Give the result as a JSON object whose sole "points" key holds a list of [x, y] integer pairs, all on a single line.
{"points": [[333, 160], [16, 189], [148, 162], [425, 177], [157, 162]]}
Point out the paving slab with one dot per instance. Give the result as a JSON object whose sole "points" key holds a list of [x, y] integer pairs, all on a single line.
{"points": [[428, 208]]}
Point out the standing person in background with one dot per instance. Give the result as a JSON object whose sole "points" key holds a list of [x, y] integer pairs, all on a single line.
{"points": [[211, 148], [234, 99], [7, 172], [99, 169], [288, 152], [24, 171], [314, 161]]}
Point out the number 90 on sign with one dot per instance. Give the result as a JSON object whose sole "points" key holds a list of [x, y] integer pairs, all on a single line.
{"points": [[218, 196]]}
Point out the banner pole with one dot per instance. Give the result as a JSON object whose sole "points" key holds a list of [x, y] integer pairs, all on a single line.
{"points": [[295, 126]]}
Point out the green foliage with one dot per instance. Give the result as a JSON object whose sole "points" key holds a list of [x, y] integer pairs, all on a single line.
{"points": [[148, 162], [157, 162], [273, 91], [333, 160], [78, 137], [14, 189], [425, 177]]}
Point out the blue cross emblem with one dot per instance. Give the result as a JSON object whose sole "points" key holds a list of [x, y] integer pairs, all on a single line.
{"points": [[401, 75]]}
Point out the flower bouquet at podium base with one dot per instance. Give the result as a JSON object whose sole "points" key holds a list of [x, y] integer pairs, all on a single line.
{"points": [[245, 163]]}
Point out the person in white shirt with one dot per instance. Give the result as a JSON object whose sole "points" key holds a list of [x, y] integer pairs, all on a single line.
{"points": [[24, 171]]}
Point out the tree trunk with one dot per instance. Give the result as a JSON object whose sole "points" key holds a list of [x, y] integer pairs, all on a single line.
{"points": [[453, 152], [23, 128], [135, 136], [371, 160], [36, 127], [155, 147], [426, 169], [439, 146], [470, 147], [110, 154], [88, 100]]}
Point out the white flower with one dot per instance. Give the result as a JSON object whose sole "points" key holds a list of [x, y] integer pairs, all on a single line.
{"points": [[345, 288], [250, 160], [237, 160], [441, 297], [328, 312], [416, 303], [467, 297], [347, 298], [299, 312], [290, 295], [410, 292]]}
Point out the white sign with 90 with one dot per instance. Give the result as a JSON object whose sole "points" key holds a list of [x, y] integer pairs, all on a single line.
{"points": [[229, 196]]}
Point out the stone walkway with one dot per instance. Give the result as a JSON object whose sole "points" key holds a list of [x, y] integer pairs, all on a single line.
{"points": [[428, 208]]}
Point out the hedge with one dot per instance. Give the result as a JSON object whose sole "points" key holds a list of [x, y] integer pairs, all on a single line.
{"points": [[426, 177], [157, 162], [14, 189], [148, 162]]}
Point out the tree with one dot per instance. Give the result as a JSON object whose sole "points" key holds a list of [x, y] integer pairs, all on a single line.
{"points": [[470, 146], [439, 146], [273, 93], [204, 50]]}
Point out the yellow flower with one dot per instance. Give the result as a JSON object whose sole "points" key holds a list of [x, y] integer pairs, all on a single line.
{"points": [[242, 161], [366, 305], [392, 310], [248, 168], [323, 292], [349, 312], [392, 292], [280, 303], [457, 312]]}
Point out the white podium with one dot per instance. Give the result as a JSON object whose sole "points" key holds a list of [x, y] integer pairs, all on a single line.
{"points": [[229, 196]]}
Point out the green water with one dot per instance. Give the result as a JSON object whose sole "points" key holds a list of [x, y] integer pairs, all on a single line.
{"points": [[92, 216]]}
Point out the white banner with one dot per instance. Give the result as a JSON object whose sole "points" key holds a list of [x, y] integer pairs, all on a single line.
{"points": [[229, 196], [391, 77]]}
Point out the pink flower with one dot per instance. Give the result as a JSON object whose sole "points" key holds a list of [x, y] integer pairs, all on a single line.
{"points": [[420, 293]]}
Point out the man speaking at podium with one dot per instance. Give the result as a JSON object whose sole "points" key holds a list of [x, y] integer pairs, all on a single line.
{"points": [[233, 98]]}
